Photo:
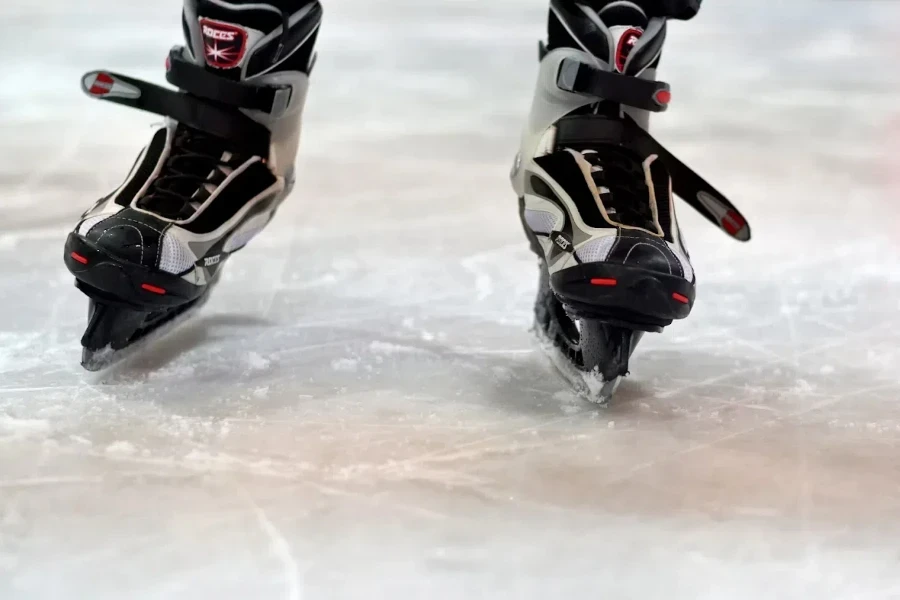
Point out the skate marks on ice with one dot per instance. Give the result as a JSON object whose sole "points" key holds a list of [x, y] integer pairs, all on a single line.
{"points": [[416, 475], [421, 474]]}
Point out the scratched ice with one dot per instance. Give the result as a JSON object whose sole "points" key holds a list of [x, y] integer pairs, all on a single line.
{"points": [[361, 412]]}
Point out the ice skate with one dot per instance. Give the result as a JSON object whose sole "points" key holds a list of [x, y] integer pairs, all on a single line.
{"points": [[596, 195], [209, 180]]}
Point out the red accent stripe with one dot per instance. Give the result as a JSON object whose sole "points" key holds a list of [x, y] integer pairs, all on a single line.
{"points": [[99, 90], [77, 257], [733, 223], [605, 282], [680, 298], [102, 85], [153, 289]]}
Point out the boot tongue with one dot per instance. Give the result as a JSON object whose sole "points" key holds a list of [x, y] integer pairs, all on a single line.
{"points": [[626, 22]]}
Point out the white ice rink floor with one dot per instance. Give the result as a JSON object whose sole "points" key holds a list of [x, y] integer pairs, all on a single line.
{"points": [[361, 412]]}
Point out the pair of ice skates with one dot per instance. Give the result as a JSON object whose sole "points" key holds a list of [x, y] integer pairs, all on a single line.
{"points": [[595, 189]]}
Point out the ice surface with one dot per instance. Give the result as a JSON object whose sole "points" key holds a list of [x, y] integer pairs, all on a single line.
{"points": [[360, 411]]}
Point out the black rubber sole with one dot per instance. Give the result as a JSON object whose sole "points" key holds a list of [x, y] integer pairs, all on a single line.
{"points": [[112, 281], [116, 326], [624, 295], [115, 332]]}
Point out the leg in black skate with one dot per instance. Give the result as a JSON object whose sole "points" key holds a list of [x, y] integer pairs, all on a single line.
{"points": [[148, 254], [596, 191]]}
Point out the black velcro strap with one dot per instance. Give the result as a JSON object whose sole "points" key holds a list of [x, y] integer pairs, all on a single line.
{"points": [[196, 80], [580, 78], [192, 111]]}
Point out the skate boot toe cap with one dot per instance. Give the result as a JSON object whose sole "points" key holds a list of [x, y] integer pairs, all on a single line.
{"points": [[125, 239], [646, 253], [124, 242]]}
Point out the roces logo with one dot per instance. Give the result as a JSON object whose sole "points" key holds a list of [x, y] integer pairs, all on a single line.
{"points": [[224, 44]]}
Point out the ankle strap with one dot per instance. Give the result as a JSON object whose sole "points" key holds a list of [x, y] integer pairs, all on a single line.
{"points": [[196, 80], [212, 118], [580, 78]]}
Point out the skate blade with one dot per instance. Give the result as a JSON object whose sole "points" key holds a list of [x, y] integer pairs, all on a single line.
{"points": [[104, 359], [589, 386]]}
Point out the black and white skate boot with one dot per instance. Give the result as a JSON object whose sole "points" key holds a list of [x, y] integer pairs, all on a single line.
{"points": [[209, 180], [596, 194]]}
